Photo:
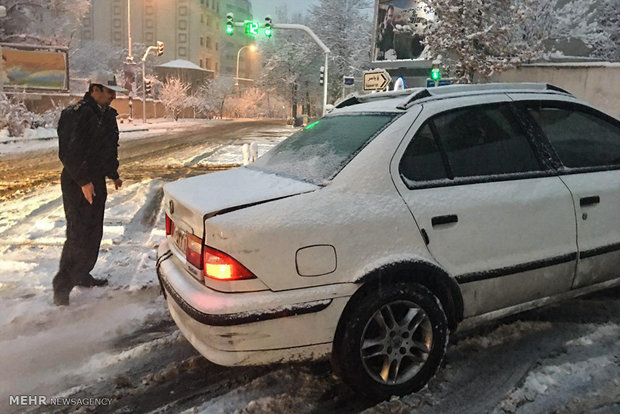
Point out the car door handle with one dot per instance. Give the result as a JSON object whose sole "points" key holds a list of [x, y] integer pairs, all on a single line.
{"points": [[448, 219], [588, 201]]}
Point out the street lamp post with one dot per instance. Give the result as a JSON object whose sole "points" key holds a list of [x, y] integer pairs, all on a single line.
{"points": [[130, 58], [252, 48]]}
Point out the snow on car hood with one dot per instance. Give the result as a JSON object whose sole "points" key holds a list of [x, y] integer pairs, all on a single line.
{"points": [[212, 193]]}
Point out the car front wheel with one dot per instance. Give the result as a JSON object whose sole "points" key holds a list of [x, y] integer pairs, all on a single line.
{"points": [[392, 340]]}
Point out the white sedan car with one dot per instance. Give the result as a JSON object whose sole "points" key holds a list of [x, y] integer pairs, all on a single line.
{"points": [[374, 232]]}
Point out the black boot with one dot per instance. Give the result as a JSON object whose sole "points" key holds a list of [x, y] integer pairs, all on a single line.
{"points": [[90, 281], [61, 297]]}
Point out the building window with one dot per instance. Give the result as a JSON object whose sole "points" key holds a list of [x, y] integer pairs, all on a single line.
{"points": [[217, 67], [117, 10], [202, 18], [183, 24], [182, 51], [148, 37], [117, 23], [117, 36], [201, 63], [149, 24], [207, 4], [182, 10], [202, 41], [182, 37], [148, 9], [208, 42]]}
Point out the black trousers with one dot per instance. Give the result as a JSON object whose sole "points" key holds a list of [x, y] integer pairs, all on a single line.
{"points": [[84, 232]]}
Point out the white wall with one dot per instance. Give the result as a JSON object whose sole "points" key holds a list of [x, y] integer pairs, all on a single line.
{"points": [[597, 83]]}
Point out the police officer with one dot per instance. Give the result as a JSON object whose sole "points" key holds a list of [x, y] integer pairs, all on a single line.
{"points": [[88, 149]]}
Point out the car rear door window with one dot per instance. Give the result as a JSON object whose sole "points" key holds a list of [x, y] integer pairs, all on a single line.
{"points": [[422, 160], [485, 140], [580, 137], [472, 142]]}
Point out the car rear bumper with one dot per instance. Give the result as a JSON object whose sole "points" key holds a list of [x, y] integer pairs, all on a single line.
{"points": [[248, 328]]}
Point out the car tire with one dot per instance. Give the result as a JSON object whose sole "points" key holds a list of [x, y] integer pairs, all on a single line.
{"points": [[379, 355]]}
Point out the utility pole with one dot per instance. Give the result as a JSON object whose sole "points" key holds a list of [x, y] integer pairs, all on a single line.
{"points": [[129, 61]]}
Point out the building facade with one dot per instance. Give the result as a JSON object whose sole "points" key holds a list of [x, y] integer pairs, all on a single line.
{"points": [[190, 29]]}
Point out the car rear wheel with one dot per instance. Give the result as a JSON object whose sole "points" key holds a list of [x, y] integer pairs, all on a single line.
{"points": [[392, 340]]}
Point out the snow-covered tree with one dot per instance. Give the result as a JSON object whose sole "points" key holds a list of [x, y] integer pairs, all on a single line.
{"points": [[210, 97], [13, 114], [476, 37], [96, 56], [346, 30], [47, 22], [174, 96], [291, 62]]}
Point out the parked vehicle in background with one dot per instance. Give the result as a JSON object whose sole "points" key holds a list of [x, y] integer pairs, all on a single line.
{"points": [[378, 230]]}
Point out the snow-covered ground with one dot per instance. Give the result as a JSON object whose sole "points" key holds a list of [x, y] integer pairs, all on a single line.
{"points": [[44, 138]]}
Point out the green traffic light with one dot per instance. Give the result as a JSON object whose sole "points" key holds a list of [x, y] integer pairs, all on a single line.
{"points": [[435, 74], [268, 32], [229, 29]]}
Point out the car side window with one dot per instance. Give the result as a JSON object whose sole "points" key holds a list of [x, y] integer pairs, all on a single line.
{"points": [[580, 137], [485, 140], [422, 159]]}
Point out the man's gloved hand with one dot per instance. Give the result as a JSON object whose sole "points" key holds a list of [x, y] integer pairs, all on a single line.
{"points": [[89, 192]]}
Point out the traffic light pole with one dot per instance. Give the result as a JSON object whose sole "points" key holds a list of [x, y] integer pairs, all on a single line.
{"points": [[293, 26], [143, 82]]}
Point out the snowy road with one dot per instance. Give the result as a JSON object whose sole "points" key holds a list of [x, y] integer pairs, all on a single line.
{"points": [[120, 344]]}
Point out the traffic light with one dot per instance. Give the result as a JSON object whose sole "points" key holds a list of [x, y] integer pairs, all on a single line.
{"points": [[268, 30], [230, 25], [148, 86], [435, 71], [322, 75], [160, 48]]}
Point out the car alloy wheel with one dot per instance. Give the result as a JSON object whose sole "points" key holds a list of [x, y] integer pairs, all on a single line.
{"points": [[396, 342]]}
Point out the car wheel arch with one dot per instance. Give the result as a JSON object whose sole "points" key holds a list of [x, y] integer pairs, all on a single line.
{"points": [[431, 276]]}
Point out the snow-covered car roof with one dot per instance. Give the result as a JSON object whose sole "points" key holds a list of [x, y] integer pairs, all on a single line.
{"points": [[395, 101]]}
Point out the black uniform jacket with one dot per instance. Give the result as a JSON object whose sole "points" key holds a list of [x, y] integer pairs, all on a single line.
{"points": [[88, 141]]}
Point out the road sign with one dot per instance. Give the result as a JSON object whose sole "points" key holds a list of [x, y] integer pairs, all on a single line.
{"points": [[442, 82], [376, 80], [348, 80], [251, 27]]}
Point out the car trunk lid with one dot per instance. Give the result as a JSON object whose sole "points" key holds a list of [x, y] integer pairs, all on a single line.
{"points": [[189, 201]]}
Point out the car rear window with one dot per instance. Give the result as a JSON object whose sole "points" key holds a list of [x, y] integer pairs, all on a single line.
{"points": [[319, 151]]}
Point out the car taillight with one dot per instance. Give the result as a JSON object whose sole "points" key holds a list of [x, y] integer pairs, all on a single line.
{"points": [[193, 251], [220, 266], [169, 225]]}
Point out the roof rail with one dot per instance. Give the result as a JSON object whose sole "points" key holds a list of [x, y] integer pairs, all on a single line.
{"points": [[459, 90], [356, 98]]}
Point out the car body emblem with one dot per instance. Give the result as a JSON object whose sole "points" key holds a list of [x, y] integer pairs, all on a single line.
{"points": [[171, 205]]}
